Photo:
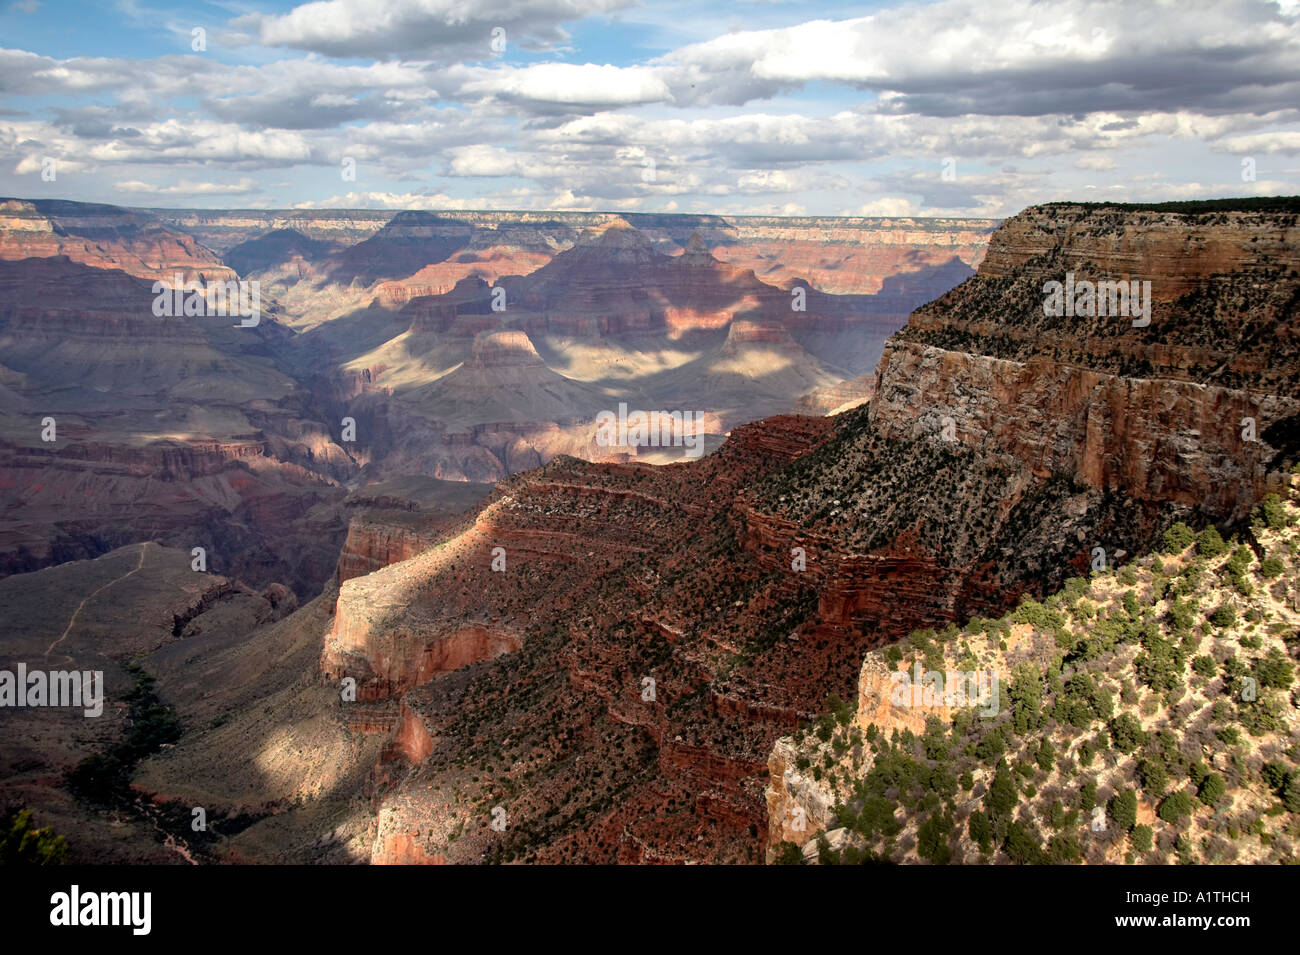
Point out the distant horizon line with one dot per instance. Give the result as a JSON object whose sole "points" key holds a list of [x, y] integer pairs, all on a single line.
{"points": [[290, 210], [1221, 204]]}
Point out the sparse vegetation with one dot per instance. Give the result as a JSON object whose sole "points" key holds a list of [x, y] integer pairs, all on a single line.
{"points": [[23, 843], [1110, 700]]}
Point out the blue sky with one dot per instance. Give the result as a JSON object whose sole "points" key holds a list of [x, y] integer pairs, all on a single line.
{"points": [[950, 107]]}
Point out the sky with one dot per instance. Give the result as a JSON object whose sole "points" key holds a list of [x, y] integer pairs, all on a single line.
{"points": [[943, 108]]}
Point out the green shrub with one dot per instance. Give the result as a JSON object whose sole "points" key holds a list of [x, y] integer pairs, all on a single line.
{"points": [[1273, 512], [1154, 774], [1123, 809], [1210, 543], [1025, 693], [787, 853], [1212, 790], [1175, 806], [1046, 755], [21, 843], [1001, 797], [1182, 614], [991, 746], [1140, 839], [1063, 849], [1085, 753], [1160, 664], [839, 709], [1223, 616], [1291, 793], [1275, 670], [1178, 538], [1088, 796], [1031, 612], [1239, 562], [1022, 845], [981, 832], [932, 839], [1126, 732]]}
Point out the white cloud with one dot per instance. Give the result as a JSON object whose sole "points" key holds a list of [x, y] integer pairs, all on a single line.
{"points": [[1095, 163], [1286, 142], [571, 84], [186, 187], [1019, 57], [886, 208], [425, 29], [1032, 98]]}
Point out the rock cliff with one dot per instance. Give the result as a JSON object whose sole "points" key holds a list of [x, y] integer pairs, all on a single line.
{"points": [[973, 477], [1113, 428]]}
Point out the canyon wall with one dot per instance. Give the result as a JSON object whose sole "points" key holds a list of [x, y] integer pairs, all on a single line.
{"points": [[608, 653], [974, 475], [841, 255], [1117, 427]]}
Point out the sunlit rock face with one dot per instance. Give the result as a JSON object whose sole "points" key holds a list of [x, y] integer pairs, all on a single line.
{"points": [[465, 347]]}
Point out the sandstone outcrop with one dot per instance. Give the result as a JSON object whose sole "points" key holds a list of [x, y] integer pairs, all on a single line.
{"points": [[105, 237]]}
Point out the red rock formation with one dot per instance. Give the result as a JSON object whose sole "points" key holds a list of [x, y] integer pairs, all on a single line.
{"points": [[1157, 439], [743, 332], [684, 576], [401, 849], [504, 349], [104, 237], [371, 546]]}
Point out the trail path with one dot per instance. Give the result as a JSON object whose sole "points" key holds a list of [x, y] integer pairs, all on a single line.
{"points": [[80, 606]]}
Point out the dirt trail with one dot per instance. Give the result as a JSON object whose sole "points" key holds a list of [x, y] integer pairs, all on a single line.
{"points": [[75, 613]]}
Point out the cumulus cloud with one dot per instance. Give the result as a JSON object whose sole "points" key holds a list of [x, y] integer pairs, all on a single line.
{"points": [[1286, 142], [885, 208], [422, 29], [1031, 99], [1095, 163], [504, 200], [570, 84], [187, 187], [1015, 57]]}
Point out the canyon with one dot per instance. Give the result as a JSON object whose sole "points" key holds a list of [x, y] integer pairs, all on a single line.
{"points": [[457, 347], [594, 658]]}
